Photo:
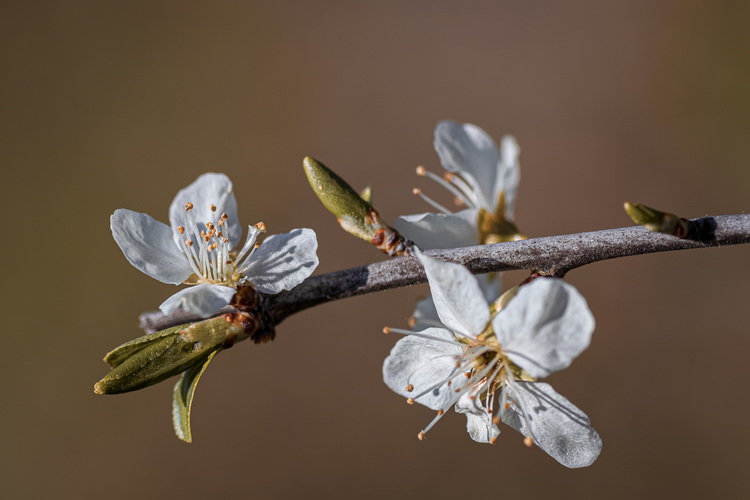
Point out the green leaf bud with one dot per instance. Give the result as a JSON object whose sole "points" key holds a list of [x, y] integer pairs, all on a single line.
{"points": [[353, 211], [153, 358], [657, 221]]}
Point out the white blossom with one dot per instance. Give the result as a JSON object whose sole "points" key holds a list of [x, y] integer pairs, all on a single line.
{"points": [[481, 177], [485, 363], [201, 248]]}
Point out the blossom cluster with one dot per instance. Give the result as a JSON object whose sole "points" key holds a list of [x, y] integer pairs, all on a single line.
{"points": [[470, 347]]}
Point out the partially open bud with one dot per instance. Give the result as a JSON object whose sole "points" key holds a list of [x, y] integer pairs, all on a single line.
{"points": [[657, 221], [352, 210]]}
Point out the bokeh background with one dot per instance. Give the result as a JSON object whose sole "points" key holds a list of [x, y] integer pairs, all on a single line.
{"points": [[120, 104]]}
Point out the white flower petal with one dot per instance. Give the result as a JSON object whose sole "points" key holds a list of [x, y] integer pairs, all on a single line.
{"points": [[555, 424], [425, 314], [479, 423], [458, 299], [206, 190], [283, 261], [510, 174], [148, 246], [427, 364], [204, 299], [545, 326], [435, 231], [468, 150]]}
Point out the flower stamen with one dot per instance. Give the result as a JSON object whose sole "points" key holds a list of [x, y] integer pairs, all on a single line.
{"points": [[460, 189]]}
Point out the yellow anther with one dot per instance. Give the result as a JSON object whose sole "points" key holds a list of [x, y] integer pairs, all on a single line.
{"points": [[410, 401], [261, 226], [412, 322], [421, 170], [416, 191], [213, 207], [440, 412], [188, 206], [493, 440], [528, 441], [386, 329], [189, 243], [409, 388], [420, 436], [180, 229]]}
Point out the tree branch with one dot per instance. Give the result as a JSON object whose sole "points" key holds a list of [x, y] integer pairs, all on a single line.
{"points": [[552, 256]]}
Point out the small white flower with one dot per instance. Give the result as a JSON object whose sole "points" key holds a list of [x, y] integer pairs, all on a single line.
{"points": [[200, 248], [482, 177], [486, 366]]}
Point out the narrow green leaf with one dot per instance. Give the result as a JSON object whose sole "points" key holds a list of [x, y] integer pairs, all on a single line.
{"points": [[123, 352], [182, 398]]}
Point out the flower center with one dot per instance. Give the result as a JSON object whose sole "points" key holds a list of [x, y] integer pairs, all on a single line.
{"points": [[209, 251]]}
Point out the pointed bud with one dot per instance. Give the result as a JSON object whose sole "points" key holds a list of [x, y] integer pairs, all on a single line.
{"points": [[353, 211], [657, 221], [366, 194]]}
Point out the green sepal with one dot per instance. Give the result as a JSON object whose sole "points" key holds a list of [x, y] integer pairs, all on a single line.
{"points": [[502, 301], [182, 398], [495, 227], [153, 358]]}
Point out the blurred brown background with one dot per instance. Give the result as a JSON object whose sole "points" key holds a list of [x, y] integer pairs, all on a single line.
{"points": [[120, 104]]}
